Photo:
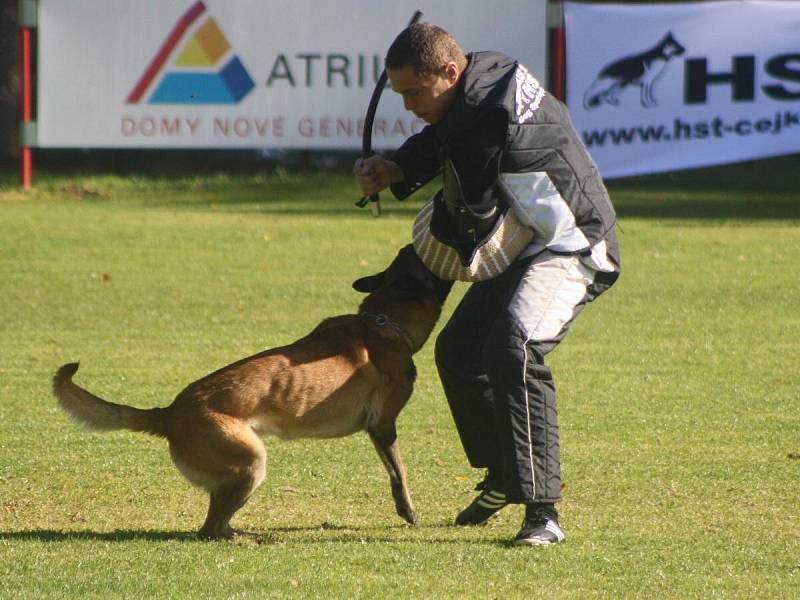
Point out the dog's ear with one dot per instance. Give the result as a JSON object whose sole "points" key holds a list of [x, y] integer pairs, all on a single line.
{"points": [[367, 285], [373, 283]]}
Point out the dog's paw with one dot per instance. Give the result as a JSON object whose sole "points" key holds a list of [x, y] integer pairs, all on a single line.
{"points": [[408, 514], [208, 533]]}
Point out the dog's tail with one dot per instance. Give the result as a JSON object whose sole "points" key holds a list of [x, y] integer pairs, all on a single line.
{"points": [[96, 413]]}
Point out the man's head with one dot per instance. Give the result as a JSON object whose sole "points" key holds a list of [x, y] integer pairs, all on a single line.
{"points": [[424, 65]]}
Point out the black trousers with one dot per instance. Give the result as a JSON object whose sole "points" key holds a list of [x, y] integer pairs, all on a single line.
{"points": [[490, 356]]}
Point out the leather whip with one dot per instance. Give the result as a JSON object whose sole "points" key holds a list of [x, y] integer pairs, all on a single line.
{"points": [[366, 141]]}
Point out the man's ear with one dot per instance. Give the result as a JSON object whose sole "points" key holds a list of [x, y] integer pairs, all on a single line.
{"points": [[369, 284], [452, 72]]}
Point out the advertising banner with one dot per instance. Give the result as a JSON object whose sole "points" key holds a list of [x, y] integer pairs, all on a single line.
{"points": [[245, 73], [670, 86]]}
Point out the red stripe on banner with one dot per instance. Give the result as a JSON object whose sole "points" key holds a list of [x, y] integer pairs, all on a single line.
{"points": [[166, 49]]}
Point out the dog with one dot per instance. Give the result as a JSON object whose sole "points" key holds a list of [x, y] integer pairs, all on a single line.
{"points": [[351, 373], [642, 70]]}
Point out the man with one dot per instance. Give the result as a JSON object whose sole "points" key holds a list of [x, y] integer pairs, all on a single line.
{"points": [[501, 140]]}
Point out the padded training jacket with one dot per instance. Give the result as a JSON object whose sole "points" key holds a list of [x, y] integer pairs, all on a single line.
{"points": [[509, 139]]}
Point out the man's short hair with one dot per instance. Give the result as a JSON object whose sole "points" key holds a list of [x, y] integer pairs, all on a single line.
{"points": [[425, 47]]}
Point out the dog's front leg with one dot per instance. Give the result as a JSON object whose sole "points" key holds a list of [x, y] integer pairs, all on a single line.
{"points": [[385, 441]]}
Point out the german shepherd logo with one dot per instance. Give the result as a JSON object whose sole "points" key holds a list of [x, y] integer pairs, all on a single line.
{"points": [[642, 69]]}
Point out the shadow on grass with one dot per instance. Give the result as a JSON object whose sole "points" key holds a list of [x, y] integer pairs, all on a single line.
{"points": [[758, 190], [773, 175], [629, 202], [733, 210], [325, 533], [123, 535], [751, 191]]}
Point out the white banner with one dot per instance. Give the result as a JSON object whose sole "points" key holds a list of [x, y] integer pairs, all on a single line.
{"points": [[245, 73], [669, 86]]}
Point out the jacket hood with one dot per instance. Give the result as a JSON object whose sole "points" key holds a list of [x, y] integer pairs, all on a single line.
{"points": [[482, 87]]}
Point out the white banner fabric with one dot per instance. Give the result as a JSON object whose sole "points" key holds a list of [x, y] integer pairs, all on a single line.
{"points": [[245, 73], [662, 87]]}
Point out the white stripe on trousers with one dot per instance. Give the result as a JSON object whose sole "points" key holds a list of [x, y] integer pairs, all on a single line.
{"points": [[544, 302]]}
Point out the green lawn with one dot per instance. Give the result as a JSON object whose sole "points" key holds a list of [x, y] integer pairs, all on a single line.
{"points": [[678, 390]]}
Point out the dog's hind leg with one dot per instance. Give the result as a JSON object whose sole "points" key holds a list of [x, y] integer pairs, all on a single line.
{"points": [[384, 438], [227, 458], [224, 502]]}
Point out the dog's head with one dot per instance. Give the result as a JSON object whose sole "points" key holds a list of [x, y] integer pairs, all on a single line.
{"points": [[407, 278]]}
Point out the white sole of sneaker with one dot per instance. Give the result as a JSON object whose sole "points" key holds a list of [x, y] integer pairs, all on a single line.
{"points": [[536, 543]]}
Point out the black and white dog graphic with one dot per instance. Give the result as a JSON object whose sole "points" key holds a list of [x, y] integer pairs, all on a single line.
{"points": [[640, 69]]}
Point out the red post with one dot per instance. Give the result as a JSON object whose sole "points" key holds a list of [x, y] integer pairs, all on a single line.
{"points": [[559, 64], [26, 99], [558, 50]]}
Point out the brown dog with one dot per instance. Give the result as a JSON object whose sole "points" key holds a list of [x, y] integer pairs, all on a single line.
{"points": [[352, 372]]}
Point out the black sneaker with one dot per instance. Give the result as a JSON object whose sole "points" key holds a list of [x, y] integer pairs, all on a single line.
{"points": [[487, 504], [540, 527]]}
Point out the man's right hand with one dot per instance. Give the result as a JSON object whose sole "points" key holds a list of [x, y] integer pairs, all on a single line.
{"points": [[375, 173]]}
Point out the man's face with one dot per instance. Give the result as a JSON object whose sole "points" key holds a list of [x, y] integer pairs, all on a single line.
{"points": [[429, 97]]}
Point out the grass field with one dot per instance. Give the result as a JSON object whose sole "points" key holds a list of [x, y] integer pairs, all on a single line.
{"points": [[678, 397]]}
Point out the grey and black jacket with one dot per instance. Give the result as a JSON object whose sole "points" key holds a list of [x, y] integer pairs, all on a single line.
{"points": [[511, 141]]}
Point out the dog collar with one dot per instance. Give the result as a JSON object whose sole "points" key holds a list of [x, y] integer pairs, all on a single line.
{"points": [[382, 320]]}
